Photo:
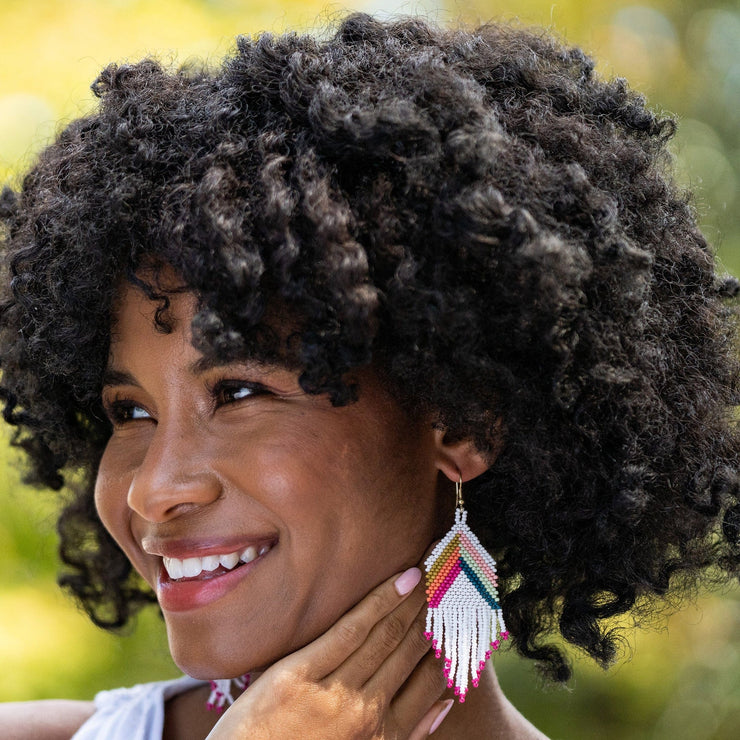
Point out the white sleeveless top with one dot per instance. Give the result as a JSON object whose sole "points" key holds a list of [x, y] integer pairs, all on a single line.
{"points": [[133, 714]]}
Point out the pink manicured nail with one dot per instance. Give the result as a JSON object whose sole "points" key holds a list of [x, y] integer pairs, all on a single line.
{"points": [[443, 713], [407, 580]]}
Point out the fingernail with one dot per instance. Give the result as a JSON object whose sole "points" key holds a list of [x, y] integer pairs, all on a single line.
{"points": [[443, 713], [407, 580]]}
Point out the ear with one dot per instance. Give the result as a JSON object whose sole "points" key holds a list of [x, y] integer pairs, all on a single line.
{"points": [[460, 457]]}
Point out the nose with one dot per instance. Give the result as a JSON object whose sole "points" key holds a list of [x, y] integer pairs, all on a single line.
{"points": [[174, 476]]}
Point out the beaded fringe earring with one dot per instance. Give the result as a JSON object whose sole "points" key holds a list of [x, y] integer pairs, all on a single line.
{"points": [[221, 692], [464, 616]]}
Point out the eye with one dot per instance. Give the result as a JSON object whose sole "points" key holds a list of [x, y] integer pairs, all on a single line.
{"points": [[121, 412], [229, 391]]}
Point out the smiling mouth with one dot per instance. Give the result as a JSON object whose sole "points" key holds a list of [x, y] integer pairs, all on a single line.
{"points": [[212, 566]]}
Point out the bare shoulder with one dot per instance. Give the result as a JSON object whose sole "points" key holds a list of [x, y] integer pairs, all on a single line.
{"points": [[53, 719]]}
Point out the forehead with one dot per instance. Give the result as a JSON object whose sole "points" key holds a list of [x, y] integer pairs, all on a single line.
{"points": [[163, 310], [150, 322], [137, 325]]}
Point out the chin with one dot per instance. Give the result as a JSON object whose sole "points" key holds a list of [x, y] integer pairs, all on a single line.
{"points": [[220, 658]]}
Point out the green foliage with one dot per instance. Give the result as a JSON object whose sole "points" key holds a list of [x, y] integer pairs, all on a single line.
{"points": [[679, 684]]}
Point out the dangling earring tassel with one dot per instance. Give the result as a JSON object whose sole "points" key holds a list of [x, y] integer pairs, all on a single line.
{"points": [[464, 619], [221, 692]]}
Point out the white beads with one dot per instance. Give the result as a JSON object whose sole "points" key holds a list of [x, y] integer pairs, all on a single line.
{"points": [[463, 617]]}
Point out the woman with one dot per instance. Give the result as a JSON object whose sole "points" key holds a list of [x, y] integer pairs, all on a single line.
{"points": [[275, 314]]}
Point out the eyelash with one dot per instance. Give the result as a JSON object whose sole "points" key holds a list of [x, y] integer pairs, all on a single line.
{"points": [[224, 392], [121, 412]]}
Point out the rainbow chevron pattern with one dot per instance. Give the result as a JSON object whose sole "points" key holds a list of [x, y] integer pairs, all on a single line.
{"points": [[463, 614]]}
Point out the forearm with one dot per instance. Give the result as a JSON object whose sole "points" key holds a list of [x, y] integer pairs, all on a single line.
{"points": [[43, 720]]}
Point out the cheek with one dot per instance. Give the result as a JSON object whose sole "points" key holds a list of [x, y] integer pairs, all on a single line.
{"points": [[111, 492], [106, 496], [374, 502]]}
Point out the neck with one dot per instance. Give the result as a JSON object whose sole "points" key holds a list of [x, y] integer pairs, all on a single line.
{"points": [[486, 713]]}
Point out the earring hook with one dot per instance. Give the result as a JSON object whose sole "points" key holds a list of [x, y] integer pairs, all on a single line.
{"points": [[458, 493]]}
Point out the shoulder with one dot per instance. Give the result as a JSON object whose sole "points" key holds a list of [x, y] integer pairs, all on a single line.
{"points": [[53, 719]]}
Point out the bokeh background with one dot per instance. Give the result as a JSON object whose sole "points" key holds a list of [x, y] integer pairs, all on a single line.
{"points": [[678, 682]]}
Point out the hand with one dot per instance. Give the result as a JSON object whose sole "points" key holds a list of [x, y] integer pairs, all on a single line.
{"points": [[369, 677]]}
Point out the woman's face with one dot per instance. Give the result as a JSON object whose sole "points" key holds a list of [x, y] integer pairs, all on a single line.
{"points": [[208, 465]]}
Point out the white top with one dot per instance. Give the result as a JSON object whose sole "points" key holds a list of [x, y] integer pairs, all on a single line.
{"points": [[133, 714]]}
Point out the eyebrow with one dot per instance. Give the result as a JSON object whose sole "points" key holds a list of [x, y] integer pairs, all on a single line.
{"points": [[117, 377], [204, 364], [113, 377]]}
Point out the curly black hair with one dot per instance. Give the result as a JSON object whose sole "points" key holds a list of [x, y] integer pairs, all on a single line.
{"points": [[474, 212]]}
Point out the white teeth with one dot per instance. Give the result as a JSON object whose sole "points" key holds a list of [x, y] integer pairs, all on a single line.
{"points": [[191, 567], [173, 567], [229, 560], [210, 562]]}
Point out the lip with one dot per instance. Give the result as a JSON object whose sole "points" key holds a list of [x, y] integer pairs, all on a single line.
{"points": [[191, 548], [180, 596]]}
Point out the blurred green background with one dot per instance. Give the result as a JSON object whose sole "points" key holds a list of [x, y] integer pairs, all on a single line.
{"points": [[678, 683]]}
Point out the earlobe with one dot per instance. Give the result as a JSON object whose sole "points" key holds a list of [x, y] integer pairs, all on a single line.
{"points": [[460, 458]]}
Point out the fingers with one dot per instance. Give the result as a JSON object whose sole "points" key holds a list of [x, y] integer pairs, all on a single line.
{"points": [[384, 660], [328, 652], [432, 720], [398, 663], [411, 705], [375, 665], [393, 667]]}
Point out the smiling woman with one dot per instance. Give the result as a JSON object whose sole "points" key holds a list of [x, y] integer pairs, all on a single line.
{"points": [[295, 316], [235, 462]]}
